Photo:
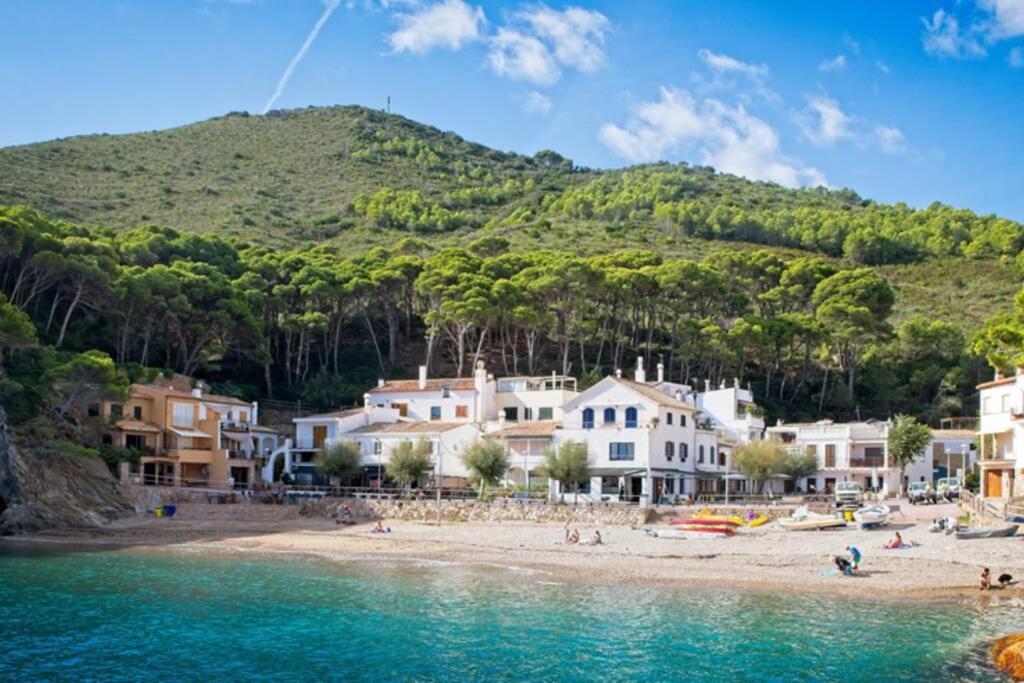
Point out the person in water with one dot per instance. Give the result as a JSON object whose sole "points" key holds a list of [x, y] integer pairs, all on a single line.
{"points": [[855, 556], [986, 579], [896, 542]]}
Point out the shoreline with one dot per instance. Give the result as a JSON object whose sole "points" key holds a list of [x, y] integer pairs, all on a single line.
{"points": [[763, 560]]}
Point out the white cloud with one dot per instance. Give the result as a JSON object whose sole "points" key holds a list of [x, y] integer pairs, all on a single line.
{"points": [[720, 64], [728, 138], [522, 57], [1016, 58], [883, 67], [889, 139], [537, 103], [448, 24], [576, 36], [541, 41], [943, 37], [837, 63], [823, 121], [1007, 19], [851, 44]]}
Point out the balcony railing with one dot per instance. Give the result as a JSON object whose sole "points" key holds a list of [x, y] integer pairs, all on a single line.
{"points": [[867, 462], [235, 425]]}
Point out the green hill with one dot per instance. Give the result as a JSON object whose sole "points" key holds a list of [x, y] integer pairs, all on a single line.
{"points": [[361, 178]]}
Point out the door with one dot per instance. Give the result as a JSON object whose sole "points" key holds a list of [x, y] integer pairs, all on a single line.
{"points": [[319, 435], [994, 484], [402, 408]]}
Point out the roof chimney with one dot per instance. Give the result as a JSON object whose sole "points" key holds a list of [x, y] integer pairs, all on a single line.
{"points": [[640, 375], [736, 382], [707, 385], [618, 372], [661, 372], [423, 377], [679, 395], [367, 401], [380, 383]]}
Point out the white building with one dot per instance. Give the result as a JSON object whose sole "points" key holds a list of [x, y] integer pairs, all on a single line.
{"points": [[858, 451], [643, 443], [1001, 436]]}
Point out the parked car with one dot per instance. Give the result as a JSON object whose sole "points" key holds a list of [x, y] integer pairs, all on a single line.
{"points": [[849, 493], [948, 488], [921, 492]]}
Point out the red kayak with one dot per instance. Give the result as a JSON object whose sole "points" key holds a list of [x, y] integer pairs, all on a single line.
{"points": [[703, 521], [705, 529]]}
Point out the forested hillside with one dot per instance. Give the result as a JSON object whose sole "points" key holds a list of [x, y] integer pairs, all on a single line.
{"points": [[304, 253]]}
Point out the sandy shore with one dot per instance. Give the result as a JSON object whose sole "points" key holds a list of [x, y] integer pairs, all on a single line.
{"points": [[767, 558]]}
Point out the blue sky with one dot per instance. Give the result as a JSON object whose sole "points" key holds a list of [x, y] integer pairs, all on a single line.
{"points": [[914, 101]]}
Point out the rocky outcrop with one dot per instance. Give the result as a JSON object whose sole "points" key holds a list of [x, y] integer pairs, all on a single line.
{"points": [[54, 491]]}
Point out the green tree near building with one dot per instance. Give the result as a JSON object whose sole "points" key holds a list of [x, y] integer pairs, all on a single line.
{"points": [[486, 462], [410, 462], [569, 465], [341, 459], [907, 441]]}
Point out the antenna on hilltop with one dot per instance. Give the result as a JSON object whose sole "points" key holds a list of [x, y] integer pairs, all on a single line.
{"points": [[389, 104]]}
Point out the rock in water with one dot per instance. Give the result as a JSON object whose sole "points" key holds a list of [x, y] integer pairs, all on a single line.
{"points": [[54, 491]]}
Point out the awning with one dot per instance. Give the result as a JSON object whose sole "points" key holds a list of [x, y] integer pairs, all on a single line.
{"points": [[136, 426], [240, 437], [191, 433]]}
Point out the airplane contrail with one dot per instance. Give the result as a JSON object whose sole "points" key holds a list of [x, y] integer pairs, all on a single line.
{"points": [[331, 5]]}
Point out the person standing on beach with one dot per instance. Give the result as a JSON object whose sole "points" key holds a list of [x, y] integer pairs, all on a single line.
{"points": [[566, 532], [854, 556], [986, 579]]}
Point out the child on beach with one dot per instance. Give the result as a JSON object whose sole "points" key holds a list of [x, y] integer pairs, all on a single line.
{"points": [[855, 556], [986, 579], [842, 564]]}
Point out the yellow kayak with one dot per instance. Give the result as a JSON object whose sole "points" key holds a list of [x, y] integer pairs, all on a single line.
{"points": [[707, 514], [758, 521]]}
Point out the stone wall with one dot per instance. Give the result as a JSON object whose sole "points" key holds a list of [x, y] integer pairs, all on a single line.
{"points": [[473, 511]]}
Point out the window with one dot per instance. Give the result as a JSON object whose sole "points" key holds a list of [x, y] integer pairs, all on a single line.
{"points": [[461, 411], [721, 458], [682, 419], [609, 415], [512, 414], [377, 447], [137, 412], [630, 418], [986, 405], [545, 413], [446, 392], [700, 453], [670, 486], [94, 410], [435, 412], [670, 450], [711, 455], [116, 410], [1005, 403], [830, 455], [527, 414], [588, 418], [620, 451], [243, 416], [184, 414], [684, 452], [668, 418]]}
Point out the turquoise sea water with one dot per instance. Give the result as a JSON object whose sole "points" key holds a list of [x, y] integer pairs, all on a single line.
{"points": [[129, 616]]}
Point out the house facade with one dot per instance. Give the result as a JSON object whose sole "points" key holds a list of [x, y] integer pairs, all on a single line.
{"points": [[858, 451], [1001, 437], [187, 438]]}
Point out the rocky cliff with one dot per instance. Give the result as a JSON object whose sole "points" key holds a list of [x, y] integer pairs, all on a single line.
{"points": [[54, 491]]}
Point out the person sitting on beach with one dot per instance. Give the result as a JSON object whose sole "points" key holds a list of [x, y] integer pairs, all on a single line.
{"points": [[380, 529], [896, 543], [574, 537], [842, 564], [596, 538], [855, 556], [986, 579]]}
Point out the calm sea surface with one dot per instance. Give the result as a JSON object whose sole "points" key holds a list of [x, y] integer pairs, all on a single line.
{"points": [[73, 615]]}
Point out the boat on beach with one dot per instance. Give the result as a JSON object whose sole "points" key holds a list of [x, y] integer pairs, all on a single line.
{"points": [[872, 517], [968, 533], [811, 524], [707, 521], [695, 532]]}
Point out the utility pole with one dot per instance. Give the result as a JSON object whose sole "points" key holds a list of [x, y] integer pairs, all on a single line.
{"points": [[389, 104]]}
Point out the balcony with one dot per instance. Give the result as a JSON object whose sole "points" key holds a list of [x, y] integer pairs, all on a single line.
{"points": [[868, 461], [235, 425], [553, 383]]}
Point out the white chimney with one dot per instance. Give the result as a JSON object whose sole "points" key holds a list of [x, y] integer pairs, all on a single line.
{"points": [[640, 375], [380, 383], [661, 372], [707, 385], [197, 391], [736, 382], [367, 401], [721, 384], [618, 372], [423, 377], [679, 395]]}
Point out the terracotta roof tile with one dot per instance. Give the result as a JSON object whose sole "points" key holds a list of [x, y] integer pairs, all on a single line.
{"points": [[403, 385], [406, 427], [996, 382], [136, 426], [655, 395], [537, 428]]}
